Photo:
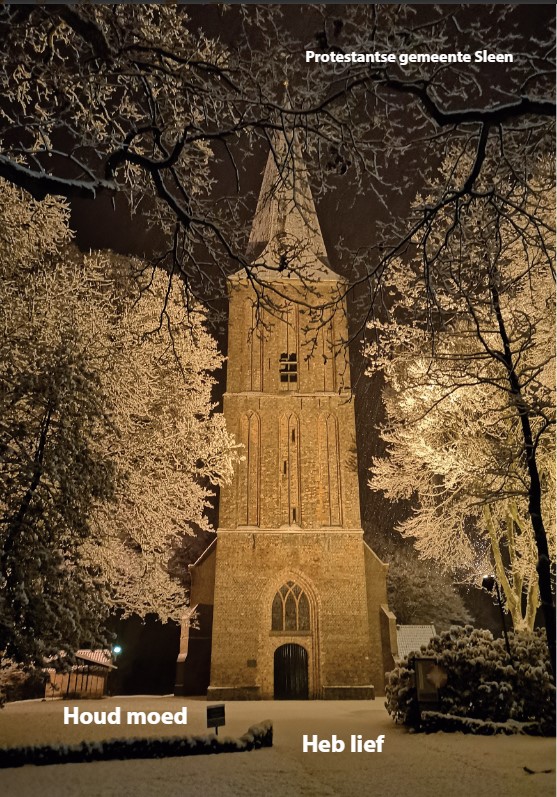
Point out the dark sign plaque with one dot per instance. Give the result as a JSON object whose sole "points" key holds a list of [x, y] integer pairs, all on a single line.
{"points": [[215, 716], [430, 677]]}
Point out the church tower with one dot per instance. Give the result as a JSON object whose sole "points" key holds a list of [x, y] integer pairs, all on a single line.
{"points": [[296, 598]]}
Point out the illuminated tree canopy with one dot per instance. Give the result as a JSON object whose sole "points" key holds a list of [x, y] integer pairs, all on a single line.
{"points": [[470, 401], [109, 446]]}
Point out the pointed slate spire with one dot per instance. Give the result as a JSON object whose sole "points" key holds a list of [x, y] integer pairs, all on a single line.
{"points": [[286, 239]]}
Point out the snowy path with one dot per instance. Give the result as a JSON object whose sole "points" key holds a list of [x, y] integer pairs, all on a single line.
{"points": [[410, 765]]}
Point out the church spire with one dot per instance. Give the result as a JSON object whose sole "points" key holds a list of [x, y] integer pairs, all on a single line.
{"points": [[286, 238]]}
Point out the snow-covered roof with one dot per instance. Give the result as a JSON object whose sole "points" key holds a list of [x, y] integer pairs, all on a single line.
{"points": [[101, 657], [410, 638]]}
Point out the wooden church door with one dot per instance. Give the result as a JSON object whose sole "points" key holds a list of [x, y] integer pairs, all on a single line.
{"points": [[291, 673]]}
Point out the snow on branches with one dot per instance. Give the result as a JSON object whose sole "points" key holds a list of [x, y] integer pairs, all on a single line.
{"points": [[146, 102], [109, 447], [469, 360], [171, 448]]}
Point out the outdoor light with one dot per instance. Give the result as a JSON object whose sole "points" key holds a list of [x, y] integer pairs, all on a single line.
{"points": [[117, 649], [488, 582]]}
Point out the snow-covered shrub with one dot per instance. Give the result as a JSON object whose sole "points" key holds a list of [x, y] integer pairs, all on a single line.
{"points": [[483, 684], [11, 677], [18, 682]]}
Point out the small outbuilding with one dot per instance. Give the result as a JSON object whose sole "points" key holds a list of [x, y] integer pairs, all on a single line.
{"points": [[87, 678]]}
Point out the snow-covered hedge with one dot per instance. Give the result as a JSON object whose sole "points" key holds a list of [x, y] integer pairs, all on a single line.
{"points": [[260, 735], [12, 676], [18, 682], [485, 692]]}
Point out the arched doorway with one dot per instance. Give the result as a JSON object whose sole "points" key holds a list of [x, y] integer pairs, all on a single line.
{"points": [[291, 672]]}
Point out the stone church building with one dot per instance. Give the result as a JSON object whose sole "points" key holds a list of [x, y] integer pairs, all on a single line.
{"points": [[290, 600]]}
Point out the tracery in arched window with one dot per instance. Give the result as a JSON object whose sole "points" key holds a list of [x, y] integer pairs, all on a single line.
{"points": [[290, 611]]}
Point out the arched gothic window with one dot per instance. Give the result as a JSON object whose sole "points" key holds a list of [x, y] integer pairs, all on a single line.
{"points": [[290, 609]]}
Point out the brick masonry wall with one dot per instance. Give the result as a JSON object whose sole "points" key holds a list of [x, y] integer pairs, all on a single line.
{"points": [[292, 512], [308, 410], [330, 568]]}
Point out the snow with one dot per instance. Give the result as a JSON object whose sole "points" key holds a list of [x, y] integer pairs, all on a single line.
{"points": [[411, 765]]}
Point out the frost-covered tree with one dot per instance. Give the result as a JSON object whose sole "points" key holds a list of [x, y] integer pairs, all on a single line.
{"points": [[470, 367], [53, 429], [138, 100], [170, 449], [108, 444]]}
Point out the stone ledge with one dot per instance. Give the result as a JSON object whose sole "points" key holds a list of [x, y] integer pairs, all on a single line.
{"points": [[364, 692], [234, 693]]}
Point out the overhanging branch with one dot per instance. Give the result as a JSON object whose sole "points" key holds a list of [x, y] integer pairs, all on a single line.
{"points": [[41, 184]]}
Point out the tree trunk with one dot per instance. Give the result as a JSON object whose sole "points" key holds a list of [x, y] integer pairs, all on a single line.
{"points": [[9, 565], [543, 566]]}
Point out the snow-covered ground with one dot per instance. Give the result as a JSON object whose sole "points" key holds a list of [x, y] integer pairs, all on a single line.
{"points": [[411, 765]]}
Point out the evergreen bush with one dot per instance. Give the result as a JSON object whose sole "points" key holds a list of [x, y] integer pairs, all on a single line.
{"points": [[486, 692]]}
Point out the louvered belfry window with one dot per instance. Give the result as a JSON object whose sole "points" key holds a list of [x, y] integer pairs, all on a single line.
{"points": [[288, 368]]}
